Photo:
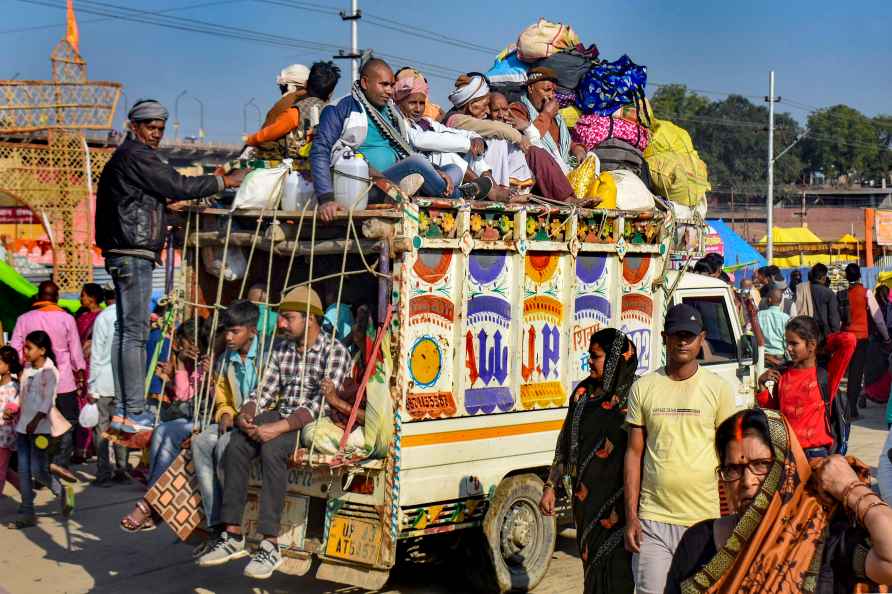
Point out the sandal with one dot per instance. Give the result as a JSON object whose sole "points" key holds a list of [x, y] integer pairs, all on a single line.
{"points": [[130, 524]]}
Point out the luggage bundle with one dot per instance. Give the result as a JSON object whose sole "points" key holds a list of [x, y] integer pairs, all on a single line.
{"points": [[605, 107]]}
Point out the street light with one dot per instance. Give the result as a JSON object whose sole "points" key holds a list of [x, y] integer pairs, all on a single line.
{"points": [[245, 115], [256, 108], [201, 128], [176, 116]]}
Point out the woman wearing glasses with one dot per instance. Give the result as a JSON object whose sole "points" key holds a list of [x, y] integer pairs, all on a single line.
{"points": [[798, 526]]}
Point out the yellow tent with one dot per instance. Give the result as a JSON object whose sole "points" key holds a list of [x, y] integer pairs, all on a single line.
{"points": [[803, 235], [847, 238]]}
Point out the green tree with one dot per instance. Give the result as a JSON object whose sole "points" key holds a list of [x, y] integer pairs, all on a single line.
{"points": [[842, 141]]}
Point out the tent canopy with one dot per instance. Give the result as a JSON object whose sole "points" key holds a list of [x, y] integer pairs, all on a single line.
{"points": [[736, 249], [792, 235], [847, 238]]}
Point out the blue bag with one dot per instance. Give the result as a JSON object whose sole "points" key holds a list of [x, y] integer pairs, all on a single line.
{"points": [[608, 86]]}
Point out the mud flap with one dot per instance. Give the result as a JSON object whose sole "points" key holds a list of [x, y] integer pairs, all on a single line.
{"points": [[366, 578]]}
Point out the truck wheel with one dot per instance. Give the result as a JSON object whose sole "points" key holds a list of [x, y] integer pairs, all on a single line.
{"points": [[517, 540]]}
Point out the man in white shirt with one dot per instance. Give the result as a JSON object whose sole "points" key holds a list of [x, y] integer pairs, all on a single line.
{"points": [[101, 388]]}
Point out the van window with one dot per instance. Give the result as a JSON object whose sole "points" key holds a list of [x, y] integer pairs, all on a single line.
{"points": [[720, 345]]}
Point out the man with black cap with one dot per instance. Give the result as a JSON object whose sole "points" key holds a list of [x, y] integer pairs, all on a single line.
{"points": [[134, 189], [672, 416]]}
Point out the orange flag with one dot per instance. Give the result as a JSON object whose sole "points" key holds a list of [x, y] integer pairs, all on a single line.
{"points": [[73, 36]]}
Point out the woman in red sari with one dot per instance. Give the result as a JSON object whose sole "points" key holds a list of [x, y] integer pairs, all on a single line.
{"points": [[92, 297]]}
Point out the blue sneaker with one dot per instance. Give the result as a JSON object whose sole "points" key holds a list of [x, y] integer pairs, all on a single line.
{"points": [[136, 423]]}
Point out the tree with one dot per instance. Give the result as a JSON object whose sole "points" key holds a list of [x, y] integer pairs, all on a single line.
{"points": [[842, 141]]}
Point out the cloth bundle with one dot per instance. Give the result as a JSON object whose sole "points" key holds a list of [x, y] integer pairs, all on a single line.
{"points": [[592, 129]]}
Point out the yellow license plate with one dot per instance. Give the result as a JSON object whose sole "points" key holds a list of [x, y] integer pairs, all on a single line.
{"points": [[354, 539]]}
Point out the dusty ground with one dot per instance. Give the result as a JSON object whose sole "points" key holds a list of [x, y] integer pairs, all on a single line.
{"points": [[89, 553]]}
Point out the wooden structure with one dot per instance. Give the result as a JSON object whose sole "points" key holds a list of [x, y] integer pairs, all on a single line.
{"points": [[46, 162]]}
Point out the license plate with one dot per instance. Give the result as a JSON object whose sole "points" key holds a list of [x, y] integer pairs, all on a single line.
{"points": [[354, 539]]}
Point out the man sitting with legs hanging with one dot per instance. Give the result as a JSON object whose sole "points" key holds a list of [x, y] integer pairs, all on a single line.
{"points": [[367, 122], [268, 427]]}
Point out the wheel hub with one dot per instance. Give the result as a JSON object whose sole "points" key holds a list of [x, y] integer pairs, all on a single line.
{"points": [[519, 530]]}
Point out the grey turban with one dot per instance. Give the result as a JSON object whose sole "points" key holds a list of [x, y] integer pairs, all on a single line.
{"points": [[147, 109]]}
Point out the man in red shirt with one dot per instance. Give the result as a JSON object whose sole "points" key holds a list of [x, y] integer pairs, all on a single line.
{"points": [[855, 305]]}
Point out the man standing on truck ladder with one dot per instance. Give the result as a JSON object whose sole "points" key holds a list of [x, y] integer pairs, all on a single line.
{"points": [[134, 191], [289, 395], [672, 417]]}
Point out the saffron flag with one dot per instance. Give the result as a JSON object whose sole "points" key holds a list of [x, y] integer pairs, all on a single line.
{"points": [[72, 35]]}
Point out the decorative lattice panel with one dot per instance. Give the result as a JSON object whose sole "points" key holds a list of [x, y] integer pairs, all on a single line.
{"points": [[55, 179]]}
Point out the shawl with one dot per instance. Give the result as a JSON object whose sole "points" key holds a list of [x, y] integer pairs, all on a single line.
{"points": [[561, 154], [85, 323], [778, 541], [396, 135], [46, 306]]}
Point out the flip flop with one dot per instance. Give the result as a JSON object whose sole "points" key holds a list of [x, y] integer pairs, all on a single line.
{"points": [[22, 523]]}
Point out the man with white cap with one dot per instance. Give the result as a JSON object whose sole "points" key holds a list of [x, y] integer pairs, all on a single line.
{"points": [[268, 427], [289, 124], [134, 190]]}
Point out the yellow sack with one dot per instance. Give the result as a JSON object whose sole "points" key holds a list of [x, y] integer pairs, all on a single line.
{"points": [[587, 181], [677, 172], [571, 115]]}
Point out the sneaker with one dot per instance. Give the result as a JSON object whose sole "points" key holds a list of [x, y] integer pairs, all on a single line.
{"points": [[265, 560], [144, 421], [120, 477], [103, 482], [118, 418], [225, 547], [476, 190]]}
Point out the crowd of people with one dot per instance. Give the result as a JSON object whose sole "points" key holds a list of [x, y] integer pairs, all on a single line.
{"points": [[672, 488]]}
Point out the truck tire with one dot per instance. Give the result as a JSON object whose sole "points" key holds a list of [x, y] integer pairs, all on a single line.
{"points": [[517, 541]]}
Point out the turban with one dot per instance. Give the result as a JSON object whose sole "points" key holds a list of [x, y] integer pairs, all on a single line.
{"points": [[467, 89], [409, 84], [296, 74], [146, 110]]}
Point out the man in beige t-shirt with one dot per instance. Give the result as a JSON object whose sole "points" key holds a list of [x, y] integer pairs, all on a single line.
{"points": [[672, 417]]}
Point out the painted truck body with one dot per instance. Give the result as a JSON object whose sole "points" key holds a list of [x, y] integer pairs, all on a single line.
{"points": [[490, 336]]}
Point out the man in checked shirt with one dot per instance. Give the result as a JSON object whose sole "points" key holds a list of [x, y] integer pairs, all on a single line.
{"points": [[268, 427]]}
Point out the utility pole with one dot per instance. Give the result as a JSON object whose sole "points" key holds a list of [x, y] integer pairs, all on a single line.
{"points": [[771, 99], [354, 55], [176, 117]]}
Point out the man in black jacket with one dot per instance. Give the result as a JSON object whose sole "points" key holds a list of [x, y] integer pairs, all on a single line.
{"points": [[134, 190], [826, 308]]}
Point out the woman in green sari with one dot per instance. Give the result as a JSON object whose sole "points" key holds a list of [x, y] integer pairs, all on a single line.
{"points": [[588, 463]]}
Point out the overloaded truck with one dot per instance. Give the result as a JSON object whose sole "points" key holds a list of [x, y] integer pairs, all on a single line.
{"points": [[489, 310]]}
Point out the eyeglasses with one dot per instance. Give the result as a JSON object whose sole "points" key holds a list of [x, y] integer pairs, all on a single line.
{"points": [[734, 472]]}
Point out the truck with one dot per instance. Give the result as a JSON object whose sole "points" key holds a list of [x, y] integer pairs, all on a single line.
{"points": [[490, 308]]}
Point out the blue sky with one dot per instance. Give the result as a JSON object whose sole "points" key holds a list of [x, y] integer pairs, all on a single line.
{"points": [[824, 52]]}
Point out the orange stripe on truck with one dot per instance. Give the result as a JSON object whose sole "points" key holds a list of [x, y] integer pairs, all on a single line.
{"points": [[482, 433]]}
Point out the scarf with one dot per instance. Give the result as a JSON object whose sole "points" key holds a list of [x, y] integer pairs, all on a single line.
{"points": [[763, 554], [396, 136], [410, 84], [46, 306], [562, 154]]}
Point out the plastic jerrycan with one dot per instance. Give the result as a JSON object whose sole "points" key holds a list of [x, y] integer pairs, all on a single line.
{"points": [[351, 174]]}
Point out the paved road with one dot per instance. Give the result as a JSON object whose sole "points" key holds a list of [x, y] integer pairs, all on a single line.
{"points": [[90, 553]]}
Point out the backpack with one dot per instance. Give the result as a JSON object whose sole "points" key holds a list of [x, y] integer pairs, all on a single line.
{"points": [[676, 170], [834, 414], [842, 302], [543, 39], [570, 66], [607, 86], [619, 154]]}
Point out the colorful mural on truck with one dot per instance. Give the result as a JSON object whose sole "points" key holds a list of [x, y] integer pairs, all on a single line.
{"points": [[430, 335], [487, 335], [592, 308], [637, 306], [543, 328]]}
